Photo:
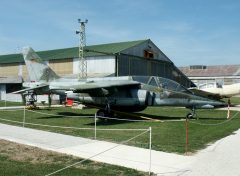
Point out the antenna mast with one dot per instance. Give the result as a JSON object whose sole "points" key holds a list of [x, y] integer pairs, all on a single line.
{"points": [[82, 44]]}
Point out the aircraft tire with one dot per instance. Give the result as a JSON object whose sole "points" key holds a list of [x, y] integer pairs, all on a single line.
{"points": [[101, 113], [189, 115]]}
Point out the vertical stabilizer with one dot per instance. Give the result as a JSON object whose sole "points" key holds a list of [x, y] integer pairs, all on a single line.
{"points": [[38, 70]]}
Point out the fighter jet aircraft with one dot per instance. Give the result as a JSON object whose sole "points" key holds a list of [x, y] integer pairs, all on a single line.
{"points": [[123, 93]]}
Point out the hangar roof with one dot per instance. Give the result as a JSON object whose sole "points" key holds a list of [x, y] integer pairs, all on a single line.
{"points": [[110, 48], [210, 71]]}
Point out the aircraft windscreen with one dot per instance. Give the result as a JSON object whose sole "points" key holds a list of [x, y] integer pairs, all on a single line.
{"points": [[170, 84], [153, 82], [160, 82]]}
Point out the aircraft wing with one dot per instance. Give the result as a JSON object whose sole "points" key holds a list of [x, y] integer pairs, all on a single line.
{"points": [[206, 94], [91, 85], [104, 87], [105, 84], [36, 87]]}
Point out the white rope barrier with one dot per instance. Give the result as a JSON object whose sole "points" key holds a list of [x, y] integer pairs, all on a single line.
{"points": [[216, 124], [7, 120], [43, 125], [70, 127], [119, 129], [121, 143], [130, 120], [13, 110]]}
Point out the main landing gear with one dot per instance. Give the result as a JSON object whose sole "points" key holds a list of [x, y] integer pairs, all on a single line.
{"points": [[30, 99], [105, 112]]}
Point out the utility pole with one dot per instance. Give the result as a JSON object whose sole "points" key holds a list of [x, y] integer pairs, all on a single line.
{"points": [[82, 44]]}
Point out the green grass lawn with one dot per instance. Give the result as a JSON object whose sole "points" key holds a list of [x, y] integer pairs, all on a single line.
{"points": [[9, 103], [169, 135], [234, 100], [16, 159]]}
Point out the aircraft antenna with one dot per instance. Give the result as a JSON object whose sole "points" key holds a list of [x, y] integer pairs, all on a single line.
{"points": [[82, 44]]}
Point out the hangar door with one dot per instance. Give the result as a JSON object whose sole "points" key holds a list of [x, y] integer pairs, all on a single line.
{"points": [[137, 66]]}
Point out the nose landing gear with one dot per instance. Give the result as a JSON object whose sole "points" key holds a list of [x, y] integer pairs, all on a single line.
{"points": [[192, 114]]}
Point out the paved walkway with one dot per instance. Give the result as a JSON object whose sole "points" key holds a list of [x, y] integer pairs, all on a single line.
{"points": [[220, 159], [123, 155]]}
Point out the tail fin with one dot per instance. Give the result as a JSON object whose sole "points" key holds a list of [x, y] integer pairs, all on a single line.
{"points": [[37, 69]]}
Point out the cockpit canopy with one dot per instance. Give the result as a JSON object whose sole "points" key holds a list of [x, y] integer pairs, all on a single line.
{"points": [[163, 83]]}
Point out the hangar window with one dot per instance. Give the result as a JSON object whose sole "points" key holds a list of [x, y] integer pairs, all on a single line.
{"points": [[200, 67], [148, 54]]}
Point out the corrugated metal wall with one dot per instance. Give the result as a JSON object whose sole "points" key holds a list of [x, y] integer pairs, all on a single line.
{"points": [[98, 65], [9, 69], [24, 72], [62, 67], [138, 50], [131, 65]]}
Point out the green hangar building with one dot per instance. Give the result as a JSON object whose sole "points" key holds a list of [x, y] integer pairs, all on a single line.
{"points": [[140, 57]]}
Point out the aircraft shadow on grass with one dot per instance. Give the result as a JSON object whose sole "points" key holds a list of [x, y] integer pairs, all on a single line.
{"points": [[69, 115], [66, 115], [120, 118], [161, 117], [108, 122], [133, 118]]}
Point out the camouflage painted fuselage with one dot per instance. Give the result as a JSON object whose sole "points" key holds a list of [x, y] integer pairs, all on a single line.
{"points": [[125, 93], [128, 93]]}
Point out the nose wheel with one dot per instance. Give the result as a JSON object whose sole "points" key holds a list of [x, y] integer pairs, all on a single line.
{"points": [[192, 114], [189, 115]]}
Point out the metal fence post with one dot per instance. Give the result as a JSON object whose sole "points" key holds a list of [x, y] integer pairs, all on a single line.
{"points": [[5, 99], [150, 149], [95, 126], [24, 116], [186, 145]]}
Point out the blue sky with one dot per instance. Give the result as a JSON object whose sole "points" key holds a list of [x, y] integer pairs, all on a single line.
{"points": [[187, 31]]}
